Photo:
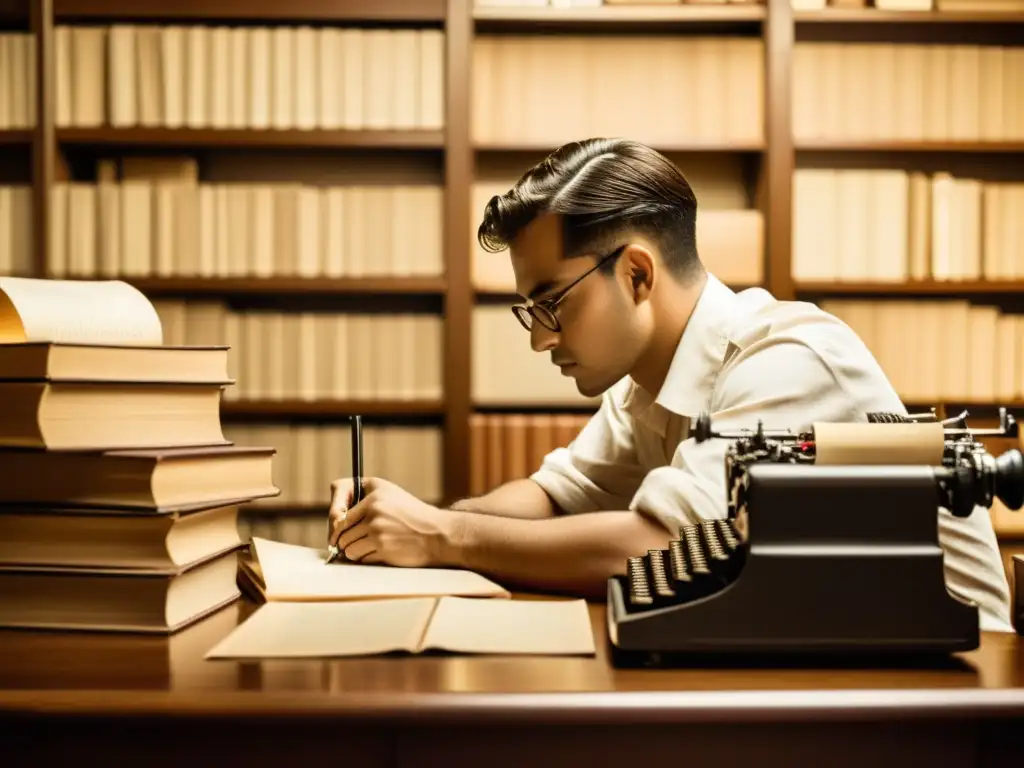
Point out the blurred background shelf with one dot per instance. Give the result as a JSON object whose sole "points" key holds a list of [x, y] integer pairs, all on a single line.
{"points": [[251, 10], [249, 138], [272, 286], [330, 408]]}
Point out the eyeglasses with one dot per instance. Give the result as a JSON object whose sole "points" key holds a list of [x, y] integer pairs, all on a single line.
{"points": [[544, 310]]}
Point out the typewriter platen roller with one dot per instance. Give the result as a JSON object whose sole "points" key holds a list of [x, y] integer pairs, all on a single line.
{"points": [[814, 559]]}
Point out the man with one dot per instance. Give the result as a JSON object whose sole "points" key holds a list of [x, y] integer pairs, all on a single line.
{"points": [[603, 246]]}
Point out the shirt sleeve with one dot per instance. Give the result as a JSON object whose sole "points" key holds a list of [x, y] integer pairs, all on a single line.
{"points": [[785, 385], [599, 470]]}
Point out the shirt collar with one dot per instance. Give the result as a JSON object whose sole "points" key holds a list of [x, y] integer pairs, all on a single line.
{"points": [[698, 358]]}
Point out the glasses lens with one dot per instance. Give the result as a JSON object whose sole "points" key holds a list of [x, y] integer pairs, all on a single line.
{"points": [[524, 316], [545, 317]]}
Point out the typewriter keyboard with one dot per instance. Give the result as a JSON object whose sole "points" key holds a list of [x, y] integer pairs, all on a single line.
{"points": [[705, 558]]}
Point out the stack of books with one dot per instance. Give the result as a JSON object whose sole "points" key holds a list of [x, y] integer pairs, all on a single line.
{"points": [[119, 495]]}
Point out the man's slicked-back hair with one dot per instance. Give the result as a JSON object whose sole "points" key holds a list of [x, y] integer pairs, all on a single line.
{"points": [[601, 188]]}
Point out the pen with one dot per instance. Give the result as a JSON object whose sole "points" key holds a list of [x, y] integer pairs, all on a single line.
{"points": [[357, 476]]}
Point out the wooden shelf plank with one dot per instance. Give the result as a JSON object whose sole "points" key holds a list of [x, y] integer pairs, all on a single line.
{"points": [[282, 286], [255, 10], [843, 145], [15, 138], [870, 15], [624, 17], [214, 137], [689, 146], [284, 408], [912, 288]]}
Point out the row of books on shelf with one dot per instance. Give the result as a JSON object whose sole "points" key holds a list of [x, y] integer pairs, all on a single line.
{"points": [[315, 355], [16, 230], [310, 456], [277, 77], [549, 89], [118, 502], [894, 225], [845, 91], [941, 350], [143, 227], [17, 81], [510, 446]]}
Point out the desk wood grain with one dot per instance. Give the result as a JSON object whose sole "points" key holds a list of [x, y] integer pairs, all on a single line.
{"points": [[463, 710]]}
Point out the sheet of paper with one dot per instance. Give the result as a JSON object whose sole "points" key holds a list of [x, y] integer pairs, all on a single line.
{"points": [[324, 630], [541, 627], [293, 573], [107, 312]]}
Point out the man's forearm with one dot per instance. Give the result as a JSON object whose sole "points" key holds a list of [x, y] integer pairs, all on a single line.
{"points": [[519, 498], [574, 554]]}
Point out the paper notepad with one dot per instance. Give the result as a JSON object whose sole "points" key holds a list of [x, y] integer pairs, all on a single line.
{"points": [[411, 625], [286, 572]]}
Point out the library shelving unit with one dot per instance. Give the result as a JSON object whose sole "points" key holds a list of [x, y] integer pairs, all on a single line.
{"points": [[771, 160]]}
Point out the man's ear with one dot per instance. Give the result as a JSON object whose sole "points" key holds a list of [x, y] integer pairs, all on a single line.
{"points": [[640, 271]]}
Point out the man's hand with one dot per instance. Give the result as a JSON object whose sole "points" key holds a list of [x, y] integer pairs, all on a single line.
{"points": [[389, 525]]}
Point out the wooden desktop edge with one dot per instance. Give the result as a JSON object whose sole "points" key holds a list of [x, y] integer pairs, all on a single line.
{"points": [[585, 708]]}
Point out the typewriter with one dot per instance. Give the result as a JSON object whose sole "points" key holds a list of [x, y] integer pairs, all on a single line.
{"points": [[813, 559]]}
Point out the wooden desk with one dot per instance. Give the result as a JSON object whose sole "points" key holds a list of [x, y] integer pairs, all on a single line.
{"points": [[156, 701]]}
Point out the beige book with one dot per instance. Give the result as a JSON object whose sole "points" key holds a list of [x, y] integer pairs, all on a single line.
{"points": [[413, 626], [172, 67], [910, 63], [148, 76], [116, 599], [937, 96], [407, 65], [261, 230], [88, 75], [1006, 360], [259, 77], [108, 225], [57, 255], [351, 58], [121, 69], [854, 220], [920, 226], [992, 104], [121, 538], [304, 76], [287, 573], [328, 79], [63, 116], [81, 229], [238, 85], [965, 89], [208, 226], [197, 76], [282, 81], [431, 84], [219, 90], [379, 77]]}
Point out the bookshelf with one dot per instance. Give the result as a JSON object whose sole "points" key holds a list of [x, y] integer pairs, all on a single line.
{"points": [[460, 156]]}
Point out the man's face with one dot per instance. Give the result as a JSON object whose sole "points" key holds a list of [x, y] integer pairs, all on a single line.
{"points": [[599, 340]]}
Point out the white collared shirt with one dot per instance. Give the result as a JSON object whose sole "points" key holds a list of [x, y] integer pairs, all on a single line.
{"points": [[745, 357]]}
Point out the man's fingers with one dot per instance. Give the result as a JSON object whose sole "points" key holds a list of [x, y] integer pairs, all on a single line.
{"points": [[352, 534], [372, 558], [359, 549]]}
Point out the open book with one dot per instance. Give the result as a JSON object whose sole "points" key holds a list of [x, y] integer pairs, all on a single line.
{"points": [[93, 330], [275, 571], [411, 625]]}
